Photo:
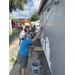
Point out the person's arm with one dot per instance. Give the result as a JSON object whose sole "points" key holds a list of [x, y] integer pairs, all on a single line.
{"points": [[33, 32], [31, 37], [36, 37], [20, 40]]}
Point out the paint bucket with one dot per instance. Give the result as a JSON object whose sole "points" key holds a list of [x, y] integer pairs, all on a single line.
{"points": [[35, 67]]}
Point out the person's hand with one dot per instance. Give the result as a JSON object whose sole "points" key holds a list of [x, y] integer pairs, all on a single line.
{"points": [[41, 28], [32, 35]]}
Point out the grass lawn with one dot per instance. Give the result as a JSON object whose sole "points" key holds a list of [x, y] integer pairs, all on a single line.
{"points": [[12, 60]]}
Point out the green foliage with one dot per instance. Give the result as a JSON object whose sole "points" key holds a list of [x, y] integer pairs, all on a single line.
{"points": [[21, 25], [35, 17], [15, 62], [11, 60], [18, 37], [13, 31], [14, 20], [14, 4], [10, 34], [14, 55], [17, 49], [29, 19]]}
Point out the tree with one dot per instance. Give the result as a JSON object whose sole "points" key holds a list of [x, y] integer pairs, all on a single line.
{"points": [[35, 17], [29, 19], [14, 4], [14, 20]]}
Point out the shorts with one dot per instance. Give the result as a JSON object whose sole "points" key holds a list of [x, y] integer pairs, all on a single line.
{"points": [[22, 60]]}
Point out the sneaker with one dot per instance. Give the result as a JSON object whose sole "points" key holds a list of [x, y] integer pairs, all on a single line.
{"points": [[32, 55], [19, 73]]}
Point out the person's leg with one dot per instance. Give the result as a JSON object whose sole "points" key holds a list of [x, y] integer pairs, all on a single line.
{"points": [[19, 70], [31, 49], [23, 71], [19, 41]]}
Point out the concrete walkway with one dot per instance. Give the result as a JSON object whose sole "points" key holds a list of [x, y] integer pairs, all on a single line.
{"points": [[38, 56], [13, 49]]}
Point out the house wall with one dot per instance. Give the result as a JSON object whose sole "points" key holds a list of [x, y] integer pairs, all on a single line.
{"points": [[26, 23], [10, 26], [53, 36]]}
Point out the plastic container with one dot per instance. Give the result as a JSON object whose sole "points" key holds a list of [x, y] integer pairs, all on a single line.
{"points": [[35, 67]]}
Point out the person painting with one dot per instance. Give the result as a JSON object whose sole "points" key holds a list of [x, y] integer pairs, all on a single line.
{"points": [[34, 30], [23, 52], [29, 36]]}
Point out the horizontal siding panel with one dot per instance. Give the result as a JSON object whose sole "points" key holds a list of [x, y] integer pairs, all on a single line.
{"points": [[55, 30]]}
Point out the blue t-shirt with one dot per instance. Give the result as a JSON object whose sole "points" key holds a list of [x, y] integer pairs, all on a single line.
{"points": [[24, 46]]}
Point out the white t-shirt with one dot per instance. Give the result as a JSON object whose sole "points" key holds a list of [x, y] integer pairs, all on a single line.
{"points": [[22, 33], [28, 35]]}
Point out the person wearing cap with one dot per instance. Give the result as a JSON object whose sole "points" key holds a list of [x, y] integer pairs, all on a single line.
{"points": [[33, 30], [20, 36], [23, 52], [34, 27], [29, 36]]}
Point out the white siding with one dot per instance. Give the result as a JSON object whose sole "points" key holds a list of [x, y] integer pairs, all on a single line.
{"points": [[54, 30]]}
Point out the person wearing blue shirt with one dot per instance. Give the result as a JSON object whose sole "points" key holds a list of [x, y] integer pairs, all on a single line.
{"points": [[24, 46], [23, 52], [29, 36]]}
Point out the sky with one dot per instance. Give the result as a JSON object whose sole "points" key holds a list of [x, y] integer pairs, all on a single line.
{"points": [[29, 9]]}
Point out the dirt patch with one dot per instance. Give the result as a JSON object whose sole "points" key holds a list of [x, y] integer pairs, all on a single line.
{"points": [[37, 43], [44, 69]]}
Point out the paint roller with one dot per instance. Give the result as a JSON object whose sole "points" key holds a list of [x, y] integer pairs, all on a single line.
{"points": [[56, 3]]}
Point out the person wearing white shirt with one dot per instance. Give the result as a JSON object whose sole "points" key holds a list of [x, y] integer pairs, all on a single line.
{"points": [[21, 33], [29, 36]]}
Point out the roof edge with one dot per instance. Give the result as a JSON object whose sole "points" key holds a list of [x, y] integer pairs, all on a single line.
{"points": [[40, 6], [41, 3]]}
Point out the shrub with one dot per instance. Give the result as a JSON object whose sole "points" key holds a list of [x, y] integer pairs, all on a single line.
{"points": [[10, 34], [13, 31]]}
